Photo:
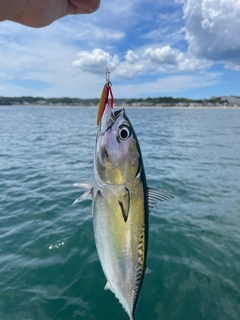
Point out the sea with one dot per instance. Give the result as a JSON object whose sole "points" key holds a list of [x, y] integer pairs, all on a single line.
{"points": [[49, 267]]}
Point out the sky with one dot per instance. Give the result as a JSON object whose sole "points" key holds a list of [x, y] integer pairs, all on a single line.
{"points": [[178, 48]]}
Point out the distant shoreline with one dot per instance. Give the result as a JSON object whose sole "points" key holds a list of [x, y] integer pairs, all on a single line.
{"points": [[126, 106], [157, 102]]}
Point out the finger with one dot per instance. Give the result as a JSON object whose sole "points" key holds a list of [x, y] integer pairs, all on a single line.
{"points": [[82, 6]]}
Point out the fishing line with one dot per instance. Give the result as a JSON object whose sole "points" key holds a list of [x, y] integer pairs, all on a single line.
{"points": [[22, 35], [104, 60], [104, 42], [107, 95]]}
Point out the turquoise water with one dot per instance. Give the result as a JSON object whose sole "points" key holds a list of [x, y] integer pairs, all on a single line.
{"points": [[49, 269]]}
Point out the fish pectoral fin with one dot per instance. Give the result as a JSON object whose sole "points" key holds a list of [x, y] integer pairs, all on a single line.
{"points": [[124, 202], [155, 195], [83, 185], [108, 287], [86, 195]]}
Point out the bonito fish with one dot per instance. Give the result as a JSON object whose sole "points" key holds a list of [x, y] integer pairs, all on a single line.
{"points": [[121, 204]]}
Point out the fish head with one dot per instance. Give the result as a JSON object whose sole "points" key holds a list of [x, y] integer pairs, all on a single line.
{"points": [[118, 155]]}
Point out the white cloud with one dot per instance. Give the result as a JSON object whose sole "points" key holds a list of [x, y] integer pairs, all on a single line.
{"points": [[169, 59], [95, 61], [212, 29], [157, 60], [130, 70], [165, 55], [131, 57]]}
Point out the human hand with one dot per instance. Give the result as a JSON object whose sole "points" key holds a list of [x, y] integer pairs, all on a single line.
{"points": [[40, 13]]}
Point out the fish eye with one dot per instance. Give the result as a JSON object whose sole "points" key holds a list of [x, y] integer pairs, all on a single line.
{"points": [[124, 133]]}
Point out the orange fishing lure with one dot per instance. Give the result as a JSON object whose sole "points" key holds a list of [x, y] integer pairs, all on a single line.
{"points": [[106, 91]]}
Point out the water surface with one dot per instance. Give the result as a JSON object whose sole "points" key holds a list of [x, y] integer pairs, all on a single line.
{"points": [[49, 269]]}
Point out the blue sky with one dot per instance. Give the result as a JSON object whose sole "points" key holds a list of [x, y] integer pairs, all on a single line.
{"points": [[181, 48]]}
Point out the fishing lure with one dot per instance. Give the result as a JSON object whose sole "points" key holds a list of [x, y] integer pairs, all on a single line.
{"points": [[106, 92]]}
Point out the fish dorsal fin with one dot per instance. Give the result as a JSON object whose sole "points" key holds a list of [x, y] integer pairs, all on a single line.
{"points": [[155, 195], [124, 201]]}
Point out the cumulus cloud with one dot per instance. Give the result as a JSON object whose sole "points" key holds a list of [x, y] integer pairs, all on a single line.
{"points": [[212, 29], [164, 55], [131, 57], [152, 60], [95, 60]]}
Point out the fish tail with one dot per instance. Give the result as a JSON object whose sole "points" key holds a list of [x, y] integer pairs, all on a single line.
{"points": [[131, 316]]}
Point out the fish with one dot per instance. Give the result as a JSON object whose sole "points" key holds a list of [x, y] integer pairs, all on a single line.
{"points": [[121, 203]]}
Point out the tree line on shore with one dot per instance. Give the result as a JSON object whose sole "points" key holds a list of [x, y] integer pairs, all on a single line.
{"points": [[27, 100]]}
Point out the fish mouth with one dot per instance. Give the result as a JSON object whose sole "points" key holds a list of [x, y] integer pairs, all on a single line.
{"points": [[109, 117]]}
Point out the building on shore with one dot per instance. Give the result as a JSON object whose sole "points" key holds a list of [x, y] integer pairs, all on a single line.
{"points": [[231, 100]]}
